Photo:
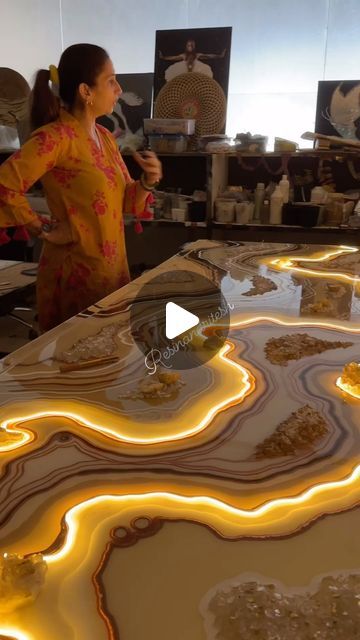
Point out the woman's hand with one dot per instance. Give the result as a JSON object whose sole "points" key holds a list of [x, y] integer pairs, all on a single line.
{"points": [[151, 166], [60, 233]]}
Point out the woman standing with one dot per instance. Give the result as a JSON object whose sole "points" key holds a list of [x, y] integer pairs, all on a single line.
{"points": [[86, 183]]}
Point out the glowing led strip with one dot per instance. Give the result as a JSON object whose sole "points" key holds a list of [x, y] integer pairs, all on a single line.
{"points": [[15, 633], [198, 502], [246, 381], [206, 501], [25, 437], [72, 516], [287, 264], [297, 323], [347, 388]]}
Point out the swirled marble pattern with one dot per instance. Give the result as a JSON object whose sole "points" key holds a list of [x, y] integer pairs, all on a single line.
{"points": [[148, 509]]}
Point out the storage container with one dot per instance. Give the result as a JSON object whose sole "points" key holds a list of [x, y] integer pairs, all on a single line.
{"points": [[168, 143], [224, 210], [218, 142], [303, 214], [250, 144], [244, 212], [185, 126], [197, 211]]}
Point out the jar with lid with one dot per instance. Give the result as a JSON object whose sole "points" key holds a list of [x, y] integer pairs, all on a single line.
{"points": [[318, 195], [334, 212]]}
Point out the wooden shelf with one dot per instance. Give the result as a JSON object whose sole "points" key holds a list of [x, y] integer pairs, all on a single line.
{"points": [[296, 154], [166, 221], [267, 154], [182, 154], [259, 225]]}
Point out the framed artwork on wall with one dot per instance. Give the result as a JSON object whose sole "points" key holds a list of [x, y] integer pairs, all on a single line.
{"points": [[134, 104], [194, 62], [338, 108]]}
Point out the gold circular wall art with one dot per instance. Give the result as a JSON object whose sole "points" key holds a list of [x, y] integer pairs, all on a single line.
{"points": [[193, 95]]}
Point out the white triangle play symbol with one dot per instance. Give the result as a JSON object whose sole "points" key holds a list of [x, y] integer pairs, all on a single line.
{"points": [[178, 320]]}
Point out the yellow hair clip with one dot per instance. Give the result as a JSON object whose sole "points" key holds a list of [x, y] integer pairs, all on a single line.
{"points": [[54, 75]]}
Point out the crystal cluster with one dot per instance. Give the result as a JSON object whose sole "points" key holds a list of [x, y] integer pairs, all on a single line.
{"points": [[298, 345], [161, 385], [323, 305], [21, 580], [303, 428], [351, 376], [255, 611], [100, 345]]}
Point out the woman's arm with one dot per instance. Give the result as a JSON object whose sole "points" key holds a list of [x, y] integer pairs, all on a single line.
{"points": [[176, 58], [136, 196], [211, 56], [19, 172]]}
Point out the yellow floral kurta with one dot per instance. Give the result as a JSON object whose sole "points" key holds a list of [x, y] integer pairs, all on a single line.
{"points": [[88, 187]]}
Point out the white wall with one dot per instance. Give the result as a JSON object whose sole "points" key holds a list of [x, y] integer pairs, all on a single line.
{"points": [[280, 48], [30, 34]]}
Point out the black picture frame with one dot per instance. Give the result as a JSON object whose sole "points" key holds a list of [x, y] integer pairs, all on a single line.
{"points": [[211, 41], [338, 108]]}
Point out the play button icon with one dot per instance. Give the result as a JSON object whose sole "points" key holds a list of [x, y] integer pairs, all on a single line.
{"points": [[178, 320]]}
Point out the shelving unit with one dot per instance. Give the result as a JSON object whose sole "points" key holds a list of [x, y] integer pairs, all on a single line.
{"points": [[162, 238], [213, 172], [192, 170]]}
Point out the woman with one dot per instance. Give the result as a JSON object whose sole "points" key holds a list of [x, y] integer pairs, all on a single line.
{"points": [[189, 60], [86, 184]]}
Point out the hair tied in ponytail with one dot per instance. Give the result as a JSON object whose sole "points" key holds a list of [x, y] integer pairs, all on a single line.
{"points": [[55, 86], [45, 103]]}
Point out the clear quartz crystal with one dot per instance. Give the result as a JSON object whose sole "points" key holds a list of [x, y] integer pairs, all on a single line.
{"points": [[99, 345], [255, 611]]}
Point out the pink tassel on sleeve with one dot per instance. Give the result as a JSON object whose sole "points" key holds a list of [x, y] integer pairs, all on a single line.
{"points": [[21, 234], [143, 215], [4, 238]]}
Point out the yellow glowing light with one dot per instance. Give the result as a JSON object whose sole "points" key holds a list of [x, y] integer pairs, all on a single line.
{"points": [[72, 516], [15, 633], [246, 380], [347, 388], [288, 264], [25, 436], [201, 503], [297, 323], [247, 383]]}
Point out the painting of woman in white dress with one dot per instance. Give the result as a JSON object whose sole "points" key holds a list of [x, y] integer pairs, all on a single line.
{"points": [[179, 51], [189, 60]]}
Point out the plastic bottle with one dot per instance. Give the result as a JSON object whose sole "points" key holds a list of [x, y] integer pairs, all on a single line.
{"points": [[284, 185], [259, 199], [265, 212], [276, 204]]}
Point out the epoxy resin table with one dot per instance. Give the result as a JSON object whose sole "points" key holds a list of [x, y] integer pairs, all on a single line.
{"points": [[222, 503]]}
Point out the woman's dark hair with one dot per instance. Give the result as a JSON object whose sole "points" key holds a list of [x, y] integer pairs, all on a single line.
{"points": [[78, 63]]}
